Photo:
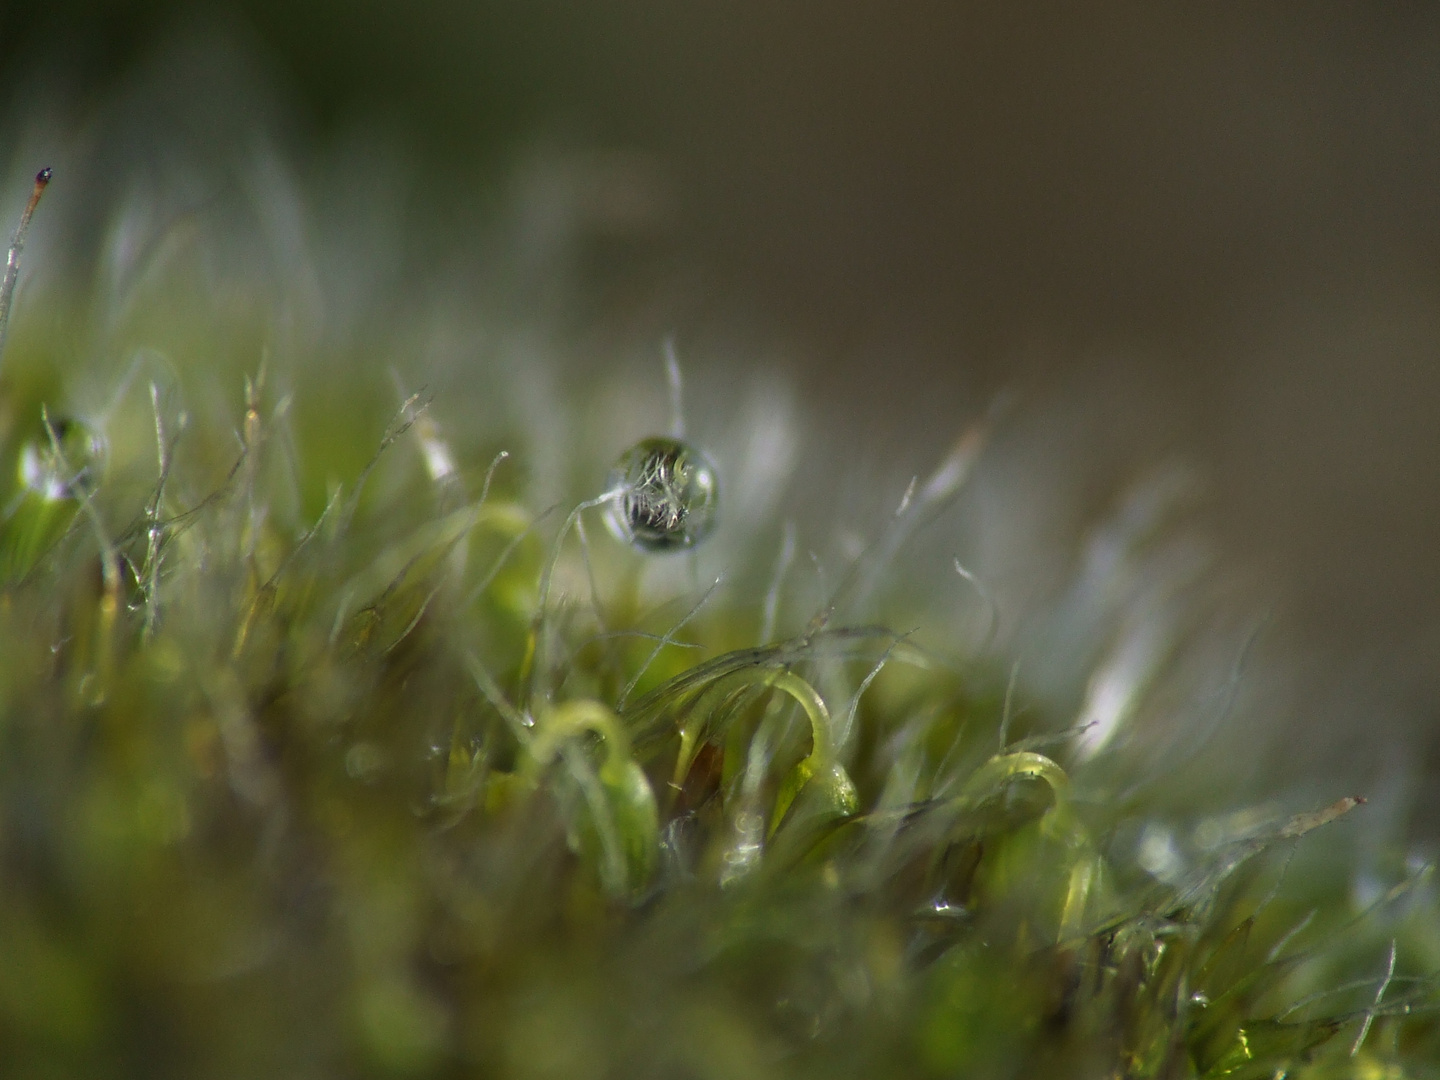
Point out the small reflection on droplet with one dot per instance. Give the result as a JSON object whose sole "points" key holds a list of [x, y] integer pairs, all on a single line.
{"points": [[667, 495], [73, 472], [940, 907]]}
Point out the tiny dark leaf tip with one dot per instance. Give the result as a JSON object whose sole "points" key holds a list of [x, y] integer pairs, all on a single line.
{"points": [[43, 176]]}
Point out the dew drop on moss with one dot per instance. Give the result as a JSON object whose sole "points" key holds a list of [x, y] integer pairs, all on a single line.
{"points": [[70, 473], [668, 492]]}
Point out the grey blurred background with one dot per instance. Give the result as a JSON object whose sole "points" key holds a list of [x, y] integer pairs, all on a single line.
{"points": [[1207, 232]]}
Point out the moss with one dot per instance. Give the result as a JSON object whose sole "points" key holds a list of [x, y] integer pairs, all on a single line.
{"points": [[318, 758]]}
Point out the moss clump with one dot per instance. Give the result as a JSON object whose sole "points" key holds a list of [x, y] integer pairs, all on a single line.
{"points": [[324, 751]]}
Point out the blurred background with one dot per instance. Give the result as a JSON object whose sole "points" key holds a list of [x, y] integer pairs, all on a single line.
{"points": [[1207, 234]]}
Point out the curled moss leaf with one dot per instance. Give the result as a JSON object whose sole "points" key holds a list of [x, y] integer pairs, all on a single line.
{"points": [[619, 829]]}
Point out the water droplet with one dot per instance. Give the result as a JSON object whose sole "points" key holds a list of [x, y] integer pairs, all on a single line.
{"points": [[668, 492], [71, 473]]}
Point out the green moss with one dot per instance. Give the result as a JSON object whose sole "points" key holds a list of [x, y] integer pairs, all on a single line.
{"points": [[315, 763]]}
